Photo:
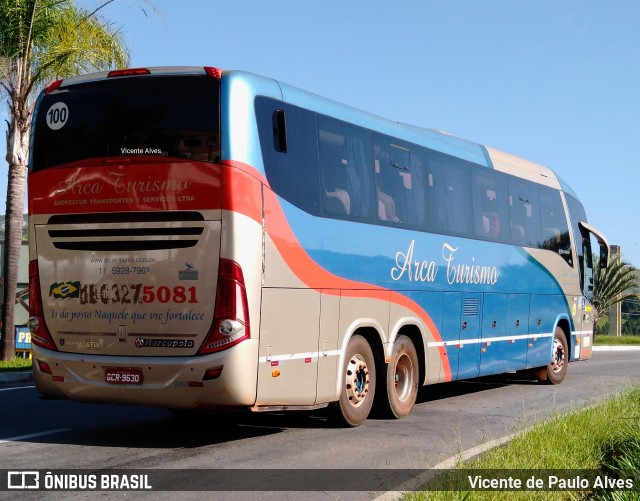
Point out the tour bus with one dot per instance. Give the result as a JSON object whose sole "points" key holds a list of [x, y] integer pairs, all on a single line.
{"points": [[208, 239]]}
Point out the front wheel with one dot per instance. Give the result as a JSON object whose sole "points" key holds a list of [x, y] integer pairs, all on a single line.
{"points": [[358, 382], [557, 368]]}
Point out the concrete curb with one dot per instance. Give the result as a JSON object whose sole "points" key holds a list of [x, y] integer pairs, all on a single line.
{"points": [[616, 348], [16, 377]]}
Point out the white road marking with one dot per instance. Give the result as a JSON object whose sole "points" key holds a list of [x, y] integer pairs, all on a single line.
{"points": [[419, 480], [18, 388], [33, 435]]}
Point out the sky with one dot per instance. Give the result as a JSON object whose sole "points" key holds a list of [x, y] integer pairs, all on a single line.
{"points": [[555, 82]]}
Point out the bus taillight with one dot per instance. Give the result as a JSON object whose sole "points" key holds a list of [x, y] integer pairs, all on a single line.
{"points": [[231, 317], [54, 86], [213, 72], [40, 335]]}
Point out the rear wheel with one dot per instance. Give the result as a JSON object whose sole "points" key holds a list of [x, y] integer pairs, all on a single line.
{"points": [[557, 368], [358, 383], [402, 379]]}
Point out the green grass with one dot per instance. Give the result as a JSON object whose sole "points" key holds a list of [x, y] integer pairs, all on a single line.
{"points": [[604, 340], [604, 439], [16, 364]]}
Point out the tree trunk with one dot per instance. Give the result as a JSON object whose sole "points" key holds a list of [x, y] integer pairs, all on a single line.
{"points": [[17, 150]]}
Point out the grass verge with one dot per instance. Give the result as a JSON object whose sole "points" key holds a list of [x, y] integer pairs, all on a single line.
{"points": [[17, 364], [600, 441], [603, 340]]}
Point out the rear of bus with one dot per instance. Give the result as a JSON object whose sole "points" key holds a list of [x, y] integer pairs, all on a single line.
{"points": [[135, 294]]}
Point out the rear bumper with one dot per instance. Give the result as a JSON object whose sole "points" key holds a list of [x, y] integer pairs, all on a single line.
{"points": [[174, 382]]}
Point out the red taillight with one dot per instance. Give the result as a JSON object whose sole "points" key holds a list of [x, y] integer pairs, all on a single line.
{"points": [[129, 72], [54, 86], [40, 335], [231, 316], [213, 72]]}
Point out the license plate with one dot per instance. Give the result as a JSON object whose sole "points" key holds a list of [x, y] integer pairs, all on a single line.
{"points": [[123, 375]]}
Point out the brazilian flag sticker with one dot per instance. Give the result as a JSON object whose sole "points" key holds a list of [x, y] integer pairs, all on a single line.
{"points": [[64, 290]]}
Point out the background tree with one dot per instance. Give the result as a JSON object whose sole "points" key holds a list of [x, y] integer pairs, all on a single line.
{"points": [[613, 284], [40, 41]]}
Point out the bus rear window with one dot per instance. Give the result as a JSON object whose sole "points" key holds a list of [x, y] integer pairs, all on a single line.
{"points": [[169, 116]]}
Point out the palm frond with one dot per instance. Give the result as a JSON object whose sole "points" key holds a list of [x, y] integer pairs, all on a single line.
{"points": [[81, 42], [618, 282], [41, 40]]}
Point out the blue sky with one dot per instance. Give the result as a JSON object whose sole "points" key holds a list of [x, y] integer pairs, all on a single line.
{"points": [[555, 82]]}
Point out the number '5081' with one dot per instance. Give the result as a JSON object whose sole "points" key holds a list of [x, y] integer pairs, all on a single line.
{"points": [[136, 293]]}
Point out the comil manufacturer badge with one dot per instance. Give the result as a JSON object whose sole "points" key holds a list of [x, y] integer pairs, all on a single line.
{"points": [[23, 480], [189, 273]]}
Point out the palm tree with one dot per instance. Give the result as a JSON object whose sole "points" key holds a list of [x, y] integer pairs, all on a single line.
{"points": [[41, 40], [611, 285]]}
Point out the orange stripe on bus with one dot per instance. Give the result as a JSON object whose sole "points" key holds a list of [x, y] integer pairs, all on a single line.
{"points": [[241, 193], [316, 277]]}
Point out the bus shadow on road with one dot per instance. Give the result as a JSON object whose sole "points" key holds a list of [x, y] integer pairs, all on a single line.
{"points": [[161, 429], [466, 386], [137, 427]]}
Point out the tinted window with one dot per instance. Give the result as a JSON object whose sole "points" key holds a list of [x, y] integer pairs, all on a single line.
{"points": [[524, 213], [172, 116], [491, 205], [400, 171], [577, 214], [449, 182], [334, 169], [555, 229], [293, 173], [346, 170]]}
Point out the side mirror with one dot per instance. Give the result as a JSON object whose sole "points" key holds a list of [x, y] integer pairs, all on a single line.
{"points": [[604, 245], [604, 256]]}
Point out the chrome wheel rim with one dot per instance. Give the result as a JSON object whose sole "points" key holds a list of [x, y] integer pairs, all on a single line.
{"points": [[558, 358], [357, 380], [403, 377]]}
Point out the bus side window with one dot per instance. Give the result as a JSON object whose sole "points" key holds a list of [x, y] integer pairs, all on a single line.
{"points": [[393, 181], [416, 185], [587, 268], [345, 170], [335, 197], [490, 205], [386, 203], [555, 228], [449, 181], [291, 161], [524, 213]]}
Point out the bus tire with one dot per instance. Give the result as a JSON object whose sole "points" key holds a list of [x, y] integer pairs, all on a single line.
{"points": [[358, 382], [557, 368], [402, 379]]}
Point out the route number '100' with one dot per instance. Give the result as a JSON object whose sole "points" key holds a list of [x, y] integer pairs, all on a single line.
{"points": [[57, 116]]}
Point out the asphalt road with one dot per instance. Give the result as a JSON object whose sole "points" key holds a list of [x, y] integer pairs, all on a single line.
{"points": [[448, 419]]}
